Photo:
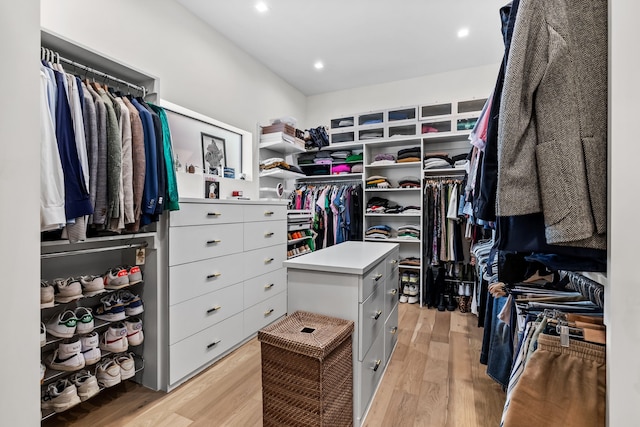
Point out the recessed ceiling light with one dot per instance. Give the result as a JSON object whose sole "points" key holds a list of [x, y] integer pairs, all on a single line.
{"points": [[262, 7], [463, 32], [318, 65]]}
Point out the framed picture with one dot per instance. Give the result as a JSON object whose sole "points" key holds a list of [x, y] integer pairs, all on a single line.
{"points": [[211, 188], [214, 158]]}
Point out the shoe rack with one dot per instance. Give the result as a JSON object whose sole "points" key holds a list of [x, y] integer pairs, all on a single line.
{"points": [[95, 257]]}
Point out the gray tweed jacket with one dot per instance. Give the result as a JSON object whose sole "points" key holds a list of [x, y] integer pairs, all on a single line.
{"points": [[552, 138]]}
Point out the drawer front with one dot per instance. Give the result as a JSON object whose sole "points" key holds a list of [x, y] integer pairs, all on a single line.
{"points": [[254, 213], [265, 260], [390, 334], [391, 293], [187, 244], [263, 234], [190, 280], [194, 315], [191, 353], [205, 214], [262, 287], [264, 313], [371, 368], [393, 262], [373, 279], [371, 319]]}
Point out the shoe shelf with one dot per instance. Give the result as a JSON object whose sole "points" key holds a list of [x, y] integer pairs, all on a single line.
{"points": [[97, 324], [409, 267], [393, 240], [293, 241], [139, 366], [84, 297], [417, 215], [392, 190], [300, 254]]}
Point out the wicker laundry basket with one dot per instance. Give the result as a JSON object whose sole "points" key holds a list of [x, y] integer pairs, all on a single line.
{"points": [[307, 371]]}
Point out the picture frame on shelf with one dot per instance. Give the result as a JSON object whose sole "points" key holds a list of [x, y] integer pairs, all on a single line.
{"points": [[214, 158], [211, 187]]}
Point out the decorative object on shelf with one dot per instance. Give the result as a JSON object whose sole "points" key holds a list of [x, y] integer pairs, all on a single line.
{"points": [[211, 187], [213, 154]]}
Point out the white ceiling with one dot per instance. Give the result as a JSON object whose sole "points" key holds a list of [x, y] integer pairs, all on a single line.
{"points": [[361, 42]]}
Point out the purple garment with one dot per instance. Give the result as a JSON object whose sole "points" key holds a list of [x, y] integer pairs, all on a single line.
{"points": [[384, 156]]}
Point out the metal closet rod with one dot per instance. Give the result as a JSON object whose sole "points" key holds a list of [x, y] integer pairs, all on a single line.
{"points": [[57, 57], [95, 250], [302, 181]]}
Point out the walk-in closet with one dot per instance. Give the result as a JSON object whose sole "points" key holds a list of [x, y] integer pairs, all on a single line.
{"points": [[281, 213]]}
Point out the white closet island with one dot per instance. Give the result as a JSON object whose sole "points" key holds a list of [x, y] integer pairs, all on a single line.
{"points": [[355, 281]]}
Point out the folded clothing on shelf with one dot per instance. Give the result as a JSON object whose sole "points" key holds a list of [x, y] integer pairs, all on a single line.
{"points": [[408, 155], [411, 210], [274, 163], [352, 158], [375, 203], [378, 232], [409, 182], [412, 261], [409, 232], [339, 169], [378, 181], [383, 159], [342, 154], [357, 168]]}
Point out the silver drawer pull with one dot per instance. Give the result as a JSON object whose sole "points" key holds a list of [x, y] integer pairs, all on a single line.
{"points": [[214, 275], [268, 234], [393, 291], [211, 242], [269, 286], [213, 214], [268, 260], [394, 330], [211, 310], [394, 261], [268, 213], [213, 344], [377, 365], [378, 277], [268, 312], [377, 315]]}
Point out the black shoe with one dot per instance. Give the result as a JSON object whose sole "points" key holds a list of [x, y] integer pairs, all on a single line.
{"points": [[441, 303], [451, 305]]}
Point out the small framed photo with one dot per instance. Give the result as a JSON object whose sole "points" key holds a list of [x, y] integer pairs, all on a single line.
{"points": [[214, 158], [211, 188]]}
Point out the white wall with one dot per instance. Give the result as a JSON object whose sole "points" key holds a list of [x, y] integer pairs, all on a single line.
{"points": [[197, 67], [445, 87], [622, 296], [19, 215]]}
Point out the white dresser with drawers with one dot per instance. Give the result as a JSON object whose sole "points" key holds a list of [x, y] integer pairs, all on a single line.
{"points": [[355, 281], [226, 280]]}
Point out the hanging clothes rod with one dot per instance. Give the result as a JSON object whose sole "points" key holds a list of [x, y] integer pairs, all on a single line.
{"points": [[55, 57], [94, 250], [326, 181]]}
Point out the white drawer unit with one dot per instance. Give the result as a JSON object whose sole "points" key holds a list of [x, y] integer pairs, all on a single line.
{"points": [[258, 213], [192, 353], [193, 279], [262, 287], [191, 316], [352, 281], [263, 234], [226, 279], [206, 214], [204, 241]]}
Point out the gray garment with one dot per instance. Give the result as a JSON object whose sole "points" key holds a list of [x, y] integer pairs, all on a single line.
{"points": [[114, 158], [138, 161], [102, 198], [91, 136], [127, 165], [552, 136]]}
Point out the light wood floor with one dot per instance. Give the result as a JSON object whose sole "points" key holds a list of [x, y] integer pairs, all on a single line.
{"points": [[434, 379]]}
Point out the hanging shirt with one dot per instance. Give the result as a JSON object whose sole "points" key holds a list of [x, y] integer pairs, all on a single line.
{"points": [[150, 193], [172, 197]]}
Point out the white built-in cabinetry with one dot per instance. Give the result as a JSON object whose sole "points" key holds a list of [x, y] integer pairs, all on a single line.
{"points": [[355, 281], [226, 279]]}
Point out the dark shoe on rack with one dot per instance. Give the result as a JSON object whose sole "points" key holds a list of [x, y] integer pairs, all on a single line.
{"points": [[451, 305], [441, 302]]}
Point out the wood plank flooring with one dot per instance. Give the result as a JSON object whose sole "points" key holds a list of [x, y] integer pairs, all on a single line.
{"points": [[434, 379]]}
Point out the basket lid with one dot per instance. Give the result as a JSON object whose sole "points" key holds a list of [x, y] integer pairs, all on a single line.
{"points": [[309, 334]]}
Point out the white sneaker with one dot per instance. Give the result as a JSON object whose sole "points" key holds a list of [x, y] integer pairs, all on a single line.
{"points": [[67, 290], [467, 289], [60, 396], [91, 285], [132, 303], [62, 325], [46, 294], [86, 383], [108, 373], [127, 365], [115, 339], [116, 278], [111, 309], [135, 274], [403, 298], [43, 335], [42, 372], [135, 336], [412, 300], [90, 350], [68, 364], [413, 290], [69, 347], [84, 324]]}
